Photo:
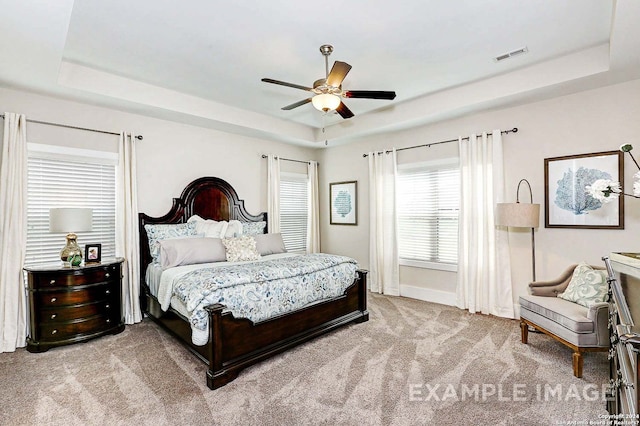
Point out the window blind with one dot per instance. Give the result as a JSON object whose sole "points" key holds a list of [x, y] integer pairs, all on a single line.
{"points": [[428, 208], [294, 195], [56, 182]]}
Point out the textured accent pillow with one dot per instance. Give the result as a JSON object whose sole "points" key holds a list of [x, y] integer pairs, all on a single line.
{"points": [[241, 248], [269, 244], [157, 233], [587, 286], [209, 228], [253, 228], [189, 251]]}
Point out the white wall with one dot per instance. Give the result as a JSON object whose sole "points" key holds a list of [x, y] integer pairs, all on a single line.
{"points": [[591, 121], [169, 157]]}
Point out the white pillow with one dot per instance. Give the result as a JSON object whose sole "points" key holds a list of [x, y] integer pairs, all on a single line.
{"points": [[189, 251], [269, 244], [234, 229], [241, 248], [209, 228]]}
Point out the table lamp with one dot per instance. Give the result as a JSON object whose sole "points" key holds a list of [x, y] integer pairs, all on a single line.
{"points": [[70, 220]]}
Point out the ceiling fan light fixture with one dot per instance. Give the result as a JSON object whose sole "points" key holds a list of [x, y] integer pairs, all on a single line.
{"points": [[326, 102]]}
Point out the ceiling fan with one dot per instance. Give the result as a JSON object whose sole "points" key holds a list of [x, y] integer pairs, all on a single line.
{"points": [[328, 91]]}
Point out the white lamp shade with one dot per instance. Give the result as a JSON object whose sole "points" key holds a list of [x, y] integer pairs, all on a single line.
{"points": [[326, 102], [519, 215], [70, 220]]}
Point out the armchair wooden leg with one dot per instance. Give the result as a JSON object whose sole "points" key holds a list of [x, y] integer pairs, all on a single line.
{"points": [[577, 364], [524, 332]]}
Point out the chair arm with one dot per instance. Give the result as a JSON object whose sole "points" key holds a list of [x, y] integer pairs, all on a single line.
{"points": [[554, 287], [599, 314]]}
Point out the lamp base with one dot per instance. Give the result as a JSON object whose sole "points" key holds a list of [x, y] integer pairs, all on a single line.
{"points": [[71, 255]]}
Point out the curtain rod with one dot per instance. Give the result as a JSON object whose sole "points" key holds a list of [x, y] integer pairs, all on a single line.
{"points": [[428, 145], [288, 159], [139, 137]]}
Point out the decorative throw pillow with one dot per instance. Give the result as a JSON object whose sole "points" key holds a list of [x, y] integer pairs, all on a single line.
{"points": [[269, 244], [587, 286], [234, 229], [157, 233], [189, 251], [209, 228], [253, 228], [241, 248]]}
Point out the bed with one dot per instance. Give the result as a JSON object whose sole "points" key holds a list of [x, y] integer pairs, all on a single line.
{"points": [[236, 343]]}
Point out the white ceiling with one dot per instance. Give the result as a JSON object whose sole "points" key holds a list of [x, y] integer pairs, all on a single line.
{"points": [[201, 61]]}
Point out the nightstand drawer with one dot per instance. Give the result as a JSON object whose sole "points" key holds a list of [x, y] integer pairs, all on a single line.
{"points": [[109, 307], [74, 277], [55, 332], [96, 293]]}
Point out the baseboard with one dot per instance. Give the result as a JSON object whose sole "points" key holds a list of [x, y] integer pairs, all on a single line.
{"points": [[428, 295]]}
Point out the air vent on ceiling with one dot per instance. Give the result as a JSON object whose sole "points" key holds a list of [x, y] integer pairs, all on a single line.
{"points": [[511, 54]]}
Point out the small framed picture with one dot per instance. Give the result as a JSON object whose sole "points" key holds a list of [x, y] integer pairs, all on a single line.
{"points": [[92, 253], [343, 200]]}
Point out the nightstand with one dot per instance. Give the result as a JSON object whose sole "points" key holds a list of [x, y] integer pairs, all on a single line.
{"points": [[71, 305]]}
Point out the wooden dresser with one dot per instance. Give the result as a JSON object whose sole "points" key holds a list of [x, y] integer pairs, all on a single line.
{"points": [[70, 305], [624, 308]]}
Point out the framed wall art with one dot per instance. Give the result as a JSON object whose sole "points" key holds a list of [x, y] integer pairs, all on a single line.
{"points": [[343, 202], [567, 203]]}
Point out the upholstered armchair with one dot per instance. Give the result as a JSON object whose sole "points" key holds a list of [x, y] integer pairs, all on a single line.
{"points": [[581, 328]]}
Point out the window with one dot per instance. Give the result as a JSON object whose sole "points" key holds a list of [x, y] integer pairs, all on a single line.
{"points": [[63, 177], [428, 206], [294, 206]]}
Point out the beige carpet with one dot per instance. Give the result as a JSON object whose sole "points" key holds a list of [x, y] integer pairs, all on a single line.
{"points": [[413, 363]]}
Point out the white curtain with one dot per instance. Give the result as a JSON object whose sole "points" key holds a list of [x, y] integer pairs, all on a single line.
{"points": [[484, 271], [13, 233], [127, 237], [383, 235], [313, 222], [273, 193]]}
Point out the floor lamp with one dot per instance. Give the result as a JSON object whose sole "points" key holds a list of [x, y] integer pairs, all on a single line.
{"points": [[521, 215]]}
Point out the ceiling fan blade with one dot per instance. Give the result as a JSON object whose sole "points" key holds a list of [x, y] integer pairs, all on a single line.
{"points": [[297, 104], [284, 83], [344, 111], [370, 94], [338, 72]]}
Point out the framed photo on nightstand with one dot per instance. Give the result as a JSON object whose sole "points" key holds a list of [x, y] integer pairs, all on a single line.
{"points": [[92, 253]]}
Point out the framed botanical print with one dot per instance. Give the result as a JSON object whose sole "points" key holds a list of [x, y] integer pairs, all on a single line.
{"points": [[343, 203], [567, 201]]}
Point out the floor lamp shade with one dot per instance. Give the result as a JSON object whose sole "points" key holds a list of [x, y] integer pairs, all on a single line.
{"points": [[519, 215], [70, 220]]}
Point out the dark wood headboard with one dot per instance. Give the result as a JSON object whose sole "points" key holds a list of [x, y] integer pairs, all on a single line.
{"points": [[209, 198]]}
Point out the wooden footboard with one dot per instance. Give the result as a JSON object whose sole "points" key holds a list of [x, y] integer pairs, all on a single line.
{"points": [[239, 343]]}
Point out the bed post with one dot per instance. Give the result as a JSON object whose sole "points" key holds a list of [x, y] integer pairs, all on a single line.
{"points": [[362, 295], [216, 375]]}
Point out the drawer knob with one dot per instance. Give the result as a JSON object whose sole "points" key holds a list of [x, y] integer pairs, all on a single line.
{"points": [[52, 282], [108, 321], [107, 292], [54, 331], [53, 299], [107, 306], [107, 275], [53, 316]]}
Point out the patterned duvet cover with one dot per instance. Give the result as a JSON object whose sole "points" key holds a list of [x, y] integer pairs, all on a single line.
{"points": [[264, 289]]}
